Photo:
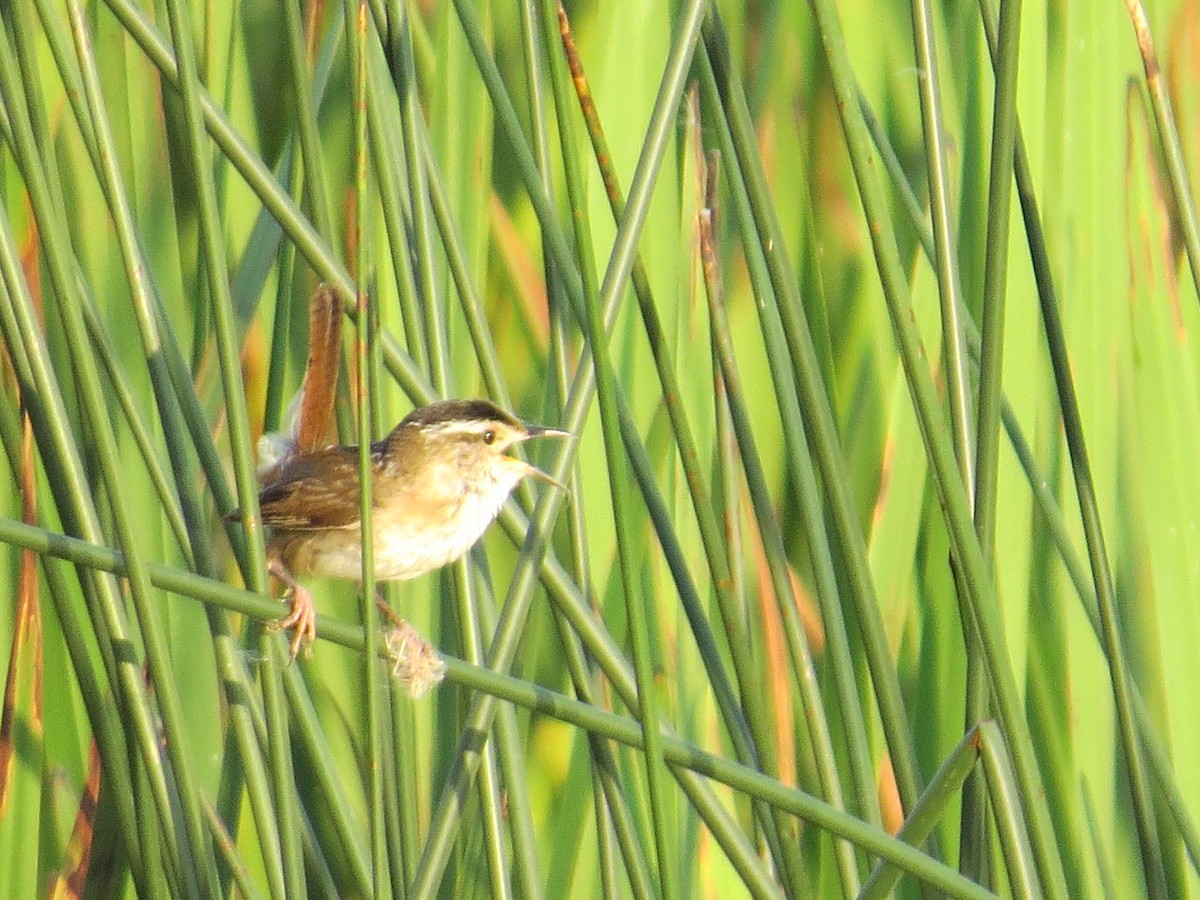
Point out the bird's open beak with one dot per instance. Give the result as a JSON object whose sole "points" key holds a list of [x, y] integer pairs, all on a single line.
{"points": [[533, 431], [541, 431]]}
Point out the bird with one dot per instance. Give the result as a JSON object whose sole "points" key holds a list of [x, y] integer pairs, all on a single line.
{"points": [[438, 480]]}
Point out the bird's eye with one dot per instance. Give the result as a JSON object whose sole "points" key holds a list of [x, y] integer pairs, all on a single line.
{"points": [[489, 437]]}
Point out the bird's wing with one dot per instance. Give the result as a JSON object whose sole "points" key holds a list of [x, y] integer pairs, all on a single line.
{"points": [[314, 491]]}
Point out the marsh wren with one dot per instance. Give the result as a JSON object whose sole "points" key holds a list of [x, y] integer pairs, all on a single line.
{"points": [[438, 481]]}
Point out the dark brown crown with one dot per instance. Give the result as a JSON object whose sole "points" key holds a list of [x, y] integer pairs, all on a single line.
{"points": [[459, 411]]}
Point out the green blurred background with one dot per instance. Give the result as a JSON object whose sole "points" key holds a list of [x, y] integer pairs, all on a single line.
{"points": [[817, 530]]}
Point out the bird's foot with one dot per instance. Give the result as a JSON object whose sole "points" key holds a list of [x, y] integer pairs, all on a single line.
{"points": [[302, 620], [303, 615], [416, 663]]}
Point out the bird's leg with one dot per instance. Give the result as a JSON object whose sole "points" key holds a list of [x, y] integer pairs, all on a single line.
{"points": [[388, 612], [303, 617]]}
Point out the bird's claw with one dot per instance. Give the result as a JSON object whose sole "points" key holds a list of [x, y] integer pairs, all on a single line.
{"points": [[302, 619]]}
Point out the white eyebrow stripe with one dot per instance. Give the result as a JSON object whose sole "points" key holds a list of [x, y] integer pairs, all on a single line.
{"points": [[476, 426]]}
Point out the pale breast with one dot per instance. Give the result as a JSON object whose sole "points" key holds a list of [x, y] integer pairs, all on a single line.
{"points": [[409, 540], [404, 552]]}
